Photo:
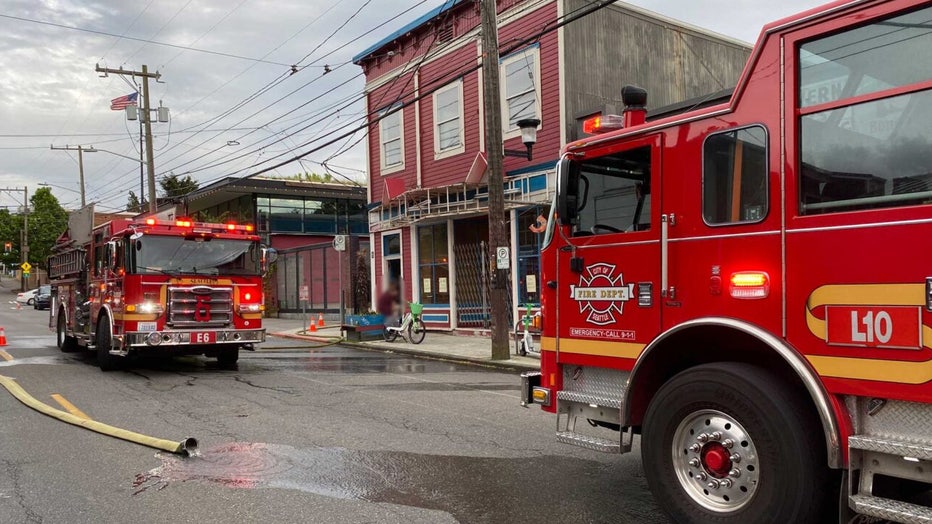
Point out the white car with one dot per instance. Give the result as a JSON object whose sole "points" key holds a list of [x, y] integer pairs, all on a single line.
{"points": [[27, 297]]}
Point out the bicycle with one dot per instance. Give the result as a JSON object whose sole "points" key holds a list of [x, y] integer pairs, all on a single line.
{"points": [[412, 323], [525, 344]]}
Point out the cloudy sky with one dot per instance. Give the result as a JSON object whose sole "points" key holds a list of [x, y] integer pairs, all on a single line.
{"points": [[233, 107]]}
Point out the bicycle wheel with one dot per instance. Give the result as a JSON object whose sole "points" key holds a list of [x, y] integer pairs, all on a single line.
{"points": [[417, 331], [390, 334]]}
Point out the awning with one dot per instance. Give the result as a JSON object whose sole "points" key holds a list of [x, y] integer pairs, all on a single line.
{"points": [[477, 173], [394, 187]]}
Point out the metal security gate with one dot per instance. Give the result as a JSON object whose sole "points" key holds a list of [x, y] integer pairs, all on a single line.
{"points": [[473, 282]]}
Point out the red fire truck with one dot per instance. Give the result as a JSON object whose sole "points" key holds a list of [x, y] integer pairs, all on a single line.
{"points": [[158, 287], [745, 282]]}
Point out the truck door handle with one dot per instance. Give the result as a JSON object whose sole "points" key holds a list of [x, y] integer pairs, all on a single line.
{"points": [[552, 284]]}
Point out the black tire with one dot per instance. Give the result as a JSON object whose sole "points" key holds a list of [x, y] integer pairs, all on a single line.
{"points": [[782, 474], [390, 335], [227, 358], [105, 360], [65, 343], [31, 302], [417, 331]]}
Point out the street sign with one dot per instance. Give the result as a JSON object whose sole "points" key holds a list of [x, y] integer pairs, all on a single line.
{"points": [[502, 258], [304, 294], [26, 266], [339, 242]]}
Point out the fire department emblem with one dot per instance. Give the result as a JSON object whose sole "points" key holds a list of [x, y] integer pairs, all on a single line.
{"points": [[601, 294]]}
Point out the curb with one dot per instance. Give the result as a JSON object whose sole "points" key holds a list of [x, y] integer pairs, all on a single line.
{"points": [[508, 365]]}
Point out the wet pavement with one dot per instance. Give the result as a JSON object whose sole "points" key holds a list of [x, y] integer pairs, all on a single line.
{"points": [[299, 434]]}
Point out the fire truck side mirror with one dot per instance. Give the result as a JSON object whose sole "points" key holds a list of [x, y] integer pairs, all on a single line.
{"points": [[567, 199], [112, 262]]}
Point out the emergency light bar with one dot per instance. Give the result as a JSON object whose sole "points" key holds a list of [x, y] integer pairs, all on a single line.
{"points": [[602, 123], [189, 224]]}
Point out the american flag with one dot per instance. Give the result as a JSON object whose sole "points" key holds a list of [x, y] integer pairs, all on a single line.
{"points": [[120, 103]]}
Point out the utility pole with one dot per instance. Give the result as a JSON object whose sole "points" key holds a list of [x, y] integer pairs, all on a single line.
{"points": [[80, 150], [25, 249], [24, 246], [150, 161], [498, 234]]}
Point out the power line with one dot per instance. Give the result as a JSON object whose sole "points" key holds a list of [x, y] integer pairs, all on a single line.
{"points": [[567, 18], [580, 13], [137, 39]]}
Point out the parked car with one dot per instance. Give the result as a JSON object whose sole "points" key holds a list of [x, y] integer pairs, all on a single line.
{"points": [[43, 297], [27, 297]]}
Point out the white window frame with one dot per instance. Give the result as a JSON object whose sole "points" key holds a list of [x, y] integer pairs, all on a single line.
{"points": [[386, 169], [511, 132], [461, 148]]}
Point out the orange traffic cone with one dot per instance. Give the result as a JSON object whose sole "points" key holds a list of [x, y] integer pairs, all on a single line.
{"points": [[320, 320], [312, 327], [2, 337]]}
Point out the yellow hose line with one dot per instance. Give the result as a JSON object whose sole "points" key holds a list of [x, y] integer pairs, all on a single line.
{"points": [[185, 447]]}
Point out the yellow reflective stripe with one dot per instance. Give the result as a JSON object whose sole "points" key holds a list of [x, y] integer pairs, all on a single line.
{"points": [[599, 348], [899, 371]]}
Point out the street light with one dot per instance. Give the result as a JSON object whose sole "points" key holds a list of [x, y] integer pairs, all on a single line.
{"points": [[120, 155], [528, 127]]}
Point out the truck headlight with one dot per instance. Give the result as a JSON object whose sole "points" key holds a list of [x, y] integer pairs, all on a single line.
{"points": [[250, 308], [146, 308]]}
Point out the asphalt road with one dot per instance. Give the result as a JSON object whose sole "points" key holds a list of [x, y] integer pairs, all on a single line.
{"points": [[294, 435]]}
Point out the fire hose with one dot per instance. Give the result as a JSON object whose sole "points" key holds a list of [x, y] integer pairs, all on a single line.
{"points": [[186, 447]]}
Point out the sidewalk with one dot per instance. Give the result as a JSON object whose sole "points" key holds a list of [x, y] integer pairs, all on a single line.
{"points": [[437, 344]]}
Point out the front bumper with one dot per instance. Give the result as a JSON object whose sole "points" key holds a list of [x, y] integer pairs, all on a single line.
{"points": [[183, 337]]}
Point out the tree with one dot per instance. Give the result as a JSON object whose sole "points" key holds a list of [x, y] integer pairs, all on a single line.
{"points": [[174, 186], [134, 204], [47, 221]]}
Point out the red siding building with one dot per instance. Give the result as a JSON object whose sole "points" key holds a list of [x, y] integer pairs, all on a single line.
{"points": [[428, 191]]}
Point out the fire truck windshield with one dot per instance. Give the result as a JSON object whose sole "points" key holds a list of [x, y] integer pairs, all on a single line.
{"points": [[153, 254]]}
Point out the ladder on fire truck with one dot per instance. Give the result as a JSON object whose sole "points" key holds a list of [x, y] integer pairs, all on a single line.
{"points": [[66, 263]]}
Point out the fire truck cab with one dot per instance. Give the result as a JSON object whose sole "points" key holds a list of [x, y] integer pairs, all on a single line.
{"points": [[746, 283], [158, 287]]}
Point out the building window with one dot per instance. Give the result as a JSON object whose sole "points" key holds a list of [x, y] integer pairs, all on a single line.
{"points": [[434, 268], [865, 108], [391, 138], [448, 120], [529, 244], [734, 176], [310, 215], [520, 74]]}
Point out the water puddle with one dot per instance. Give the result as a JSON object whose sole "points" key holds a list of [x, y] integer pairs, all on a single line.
{"points": [[471, 489], [33, 360]]}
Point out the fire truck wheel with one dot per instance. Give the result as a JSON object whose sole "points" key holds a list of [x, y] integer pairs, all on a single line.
{"points": [[65, 343], [227, 357], [105, 360], [729, 443]]}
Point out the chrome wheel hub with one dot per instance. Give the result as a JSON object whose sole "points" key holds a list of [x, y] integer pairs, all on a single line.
{"points": [[715, 461]]}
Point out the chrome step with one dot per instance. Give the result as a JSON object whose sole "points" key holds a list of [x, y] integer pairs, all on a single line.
{"points": [[585, 441], [889, 446], [588, 398], [890, 509]]}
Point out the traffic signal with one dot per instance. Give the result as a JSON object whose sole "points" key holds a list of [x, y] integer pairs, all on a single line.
{"points": [[7, 247]]}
